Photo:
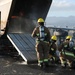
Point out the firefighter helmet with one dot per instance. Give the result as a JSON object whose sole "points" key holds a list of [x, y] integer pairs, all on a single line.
{"points": [[68, 37], [54, 37], [40, 20]]}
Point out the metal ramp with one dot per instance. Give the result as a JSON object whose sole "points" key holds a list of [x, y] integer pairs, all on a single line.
{"points": [[25, 45]]}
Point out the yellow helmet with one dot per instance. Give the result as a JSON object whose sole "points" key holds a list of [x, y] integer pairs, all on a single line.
{"points": [[68, 37], [40, 20], [54, 37]]}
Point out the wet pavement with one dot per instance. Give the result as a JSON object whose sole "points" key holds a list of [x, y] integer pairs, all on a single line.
{"points": [[15, 66]]}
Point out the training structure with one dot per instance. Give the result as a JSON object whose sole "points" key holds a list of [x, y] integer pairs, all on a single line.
{"points": [[22, 19]]}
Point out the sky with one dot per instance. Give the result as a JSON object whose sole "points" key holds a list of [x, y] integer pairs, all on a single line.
{"points": [[59, 8], [62, 8]]}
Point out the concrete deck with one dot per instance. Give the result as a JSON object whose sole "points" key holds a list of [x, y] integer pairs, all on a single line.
{"points": [[15, 66]]}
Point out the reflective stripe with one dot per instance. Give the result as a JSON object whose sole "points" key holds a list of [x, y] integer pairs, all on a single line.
{"points": [[45, 60], [63, 61], [54, 58], [52, 49], [73, 47], [37, 34], [45, 34], [69, 54], [40, 61], [46, 42], [65, 45], [37, 41], [41, 40]]}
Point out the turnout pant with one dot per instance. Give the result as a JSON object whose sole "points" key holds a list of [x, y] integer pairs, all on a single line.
{"points": [[42, 49]]}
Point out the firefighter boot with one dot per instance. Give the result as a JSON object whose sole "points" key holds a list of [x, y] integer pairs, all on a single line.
{"points": [[64, 64], [46, 64], [41, 65], [69, 63], [52, 60]]}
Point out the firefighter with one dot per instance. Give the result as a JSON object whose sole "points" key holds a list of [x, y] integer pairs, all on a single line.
{"points": [[42, 35], [67, 52], [53, 49]]}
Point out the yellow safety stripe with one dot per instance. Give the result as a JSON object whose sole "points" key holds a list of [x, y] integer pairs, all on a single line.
{"points": [[63, 62], [45, 34], [65, 45], [37, 34], [69, 54], [46, 42], [40, 61], [43, 41], [52, 49], [54, 58], [45, 60], [73, 47]]}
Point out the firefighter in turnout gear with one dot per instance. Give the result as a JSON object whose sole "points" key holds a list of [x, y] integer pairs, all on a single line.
{"points": [[42, 35], [52, 49], [67, 53]]}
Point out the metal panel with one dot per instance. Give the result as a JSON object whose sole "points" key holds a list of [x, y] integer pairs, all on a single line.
{"points": [[32, 40], [24, 46]]}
